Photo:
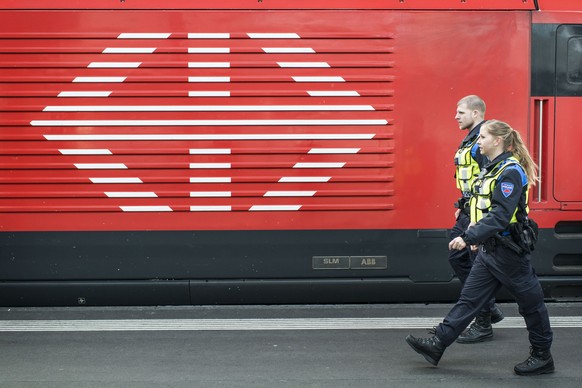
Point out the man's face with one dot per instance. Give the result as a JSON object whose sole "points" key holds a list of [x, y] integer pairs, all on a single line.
{"points": [[465, 117]]}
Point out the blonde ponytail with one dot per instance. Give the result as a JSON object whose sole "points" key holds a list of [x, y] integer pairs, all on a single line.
{"points": [[513, 142]]}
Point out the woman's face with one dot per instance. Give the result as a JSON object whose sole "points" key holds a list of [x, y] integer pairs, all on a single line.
{"points": [[488, 144]]}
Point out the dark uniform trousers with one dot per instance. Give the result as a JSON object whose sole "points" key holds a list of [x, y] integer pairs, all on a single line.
{"points": [[462, 260], [490, 271]]}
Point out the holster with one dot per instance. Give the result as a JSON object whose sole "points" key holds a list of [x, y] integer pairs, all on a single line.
{"points": [[525, 234]]}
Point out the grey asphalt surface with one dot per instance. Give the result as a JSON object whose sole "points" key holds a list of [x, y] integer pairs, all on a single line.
{"points": [[257, 357]]}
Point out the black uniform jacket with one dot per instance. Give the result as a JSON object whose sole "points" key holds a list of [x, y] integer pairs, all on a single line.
{"points": [[503, 203]]}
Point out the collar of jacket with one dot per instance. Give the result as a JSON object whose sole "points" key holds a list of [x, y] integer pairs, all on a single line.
{"points": [[489, 166]]}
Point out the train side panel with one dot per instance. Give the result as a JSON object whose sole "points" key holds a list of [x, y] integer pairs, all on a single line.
{"points": [[201, 156]]}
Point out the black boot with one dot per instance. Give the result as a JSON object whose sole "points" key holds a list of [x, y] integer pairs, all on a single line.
{"points": [[479, 331], [431, 348], [538, 363], [496, 314]]}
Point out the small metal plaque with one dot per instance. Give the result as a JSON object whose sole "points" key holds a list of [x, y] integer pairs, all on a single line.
{"points": [[331, 262], [368, 262], [349, 262]]}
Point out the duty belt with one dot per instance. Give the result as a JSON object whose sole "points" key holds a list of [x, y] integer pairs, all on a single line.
{"points": [[491, 243]]}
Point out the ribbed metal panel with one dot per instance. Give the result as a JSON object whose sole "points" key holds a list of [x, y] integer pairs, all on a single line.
{"points": [[194, 121]]}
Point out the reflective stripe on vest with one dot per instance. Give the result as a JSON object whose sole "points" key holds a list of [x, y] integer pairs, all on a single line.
{"points": [[483, 188], [467, 168]]}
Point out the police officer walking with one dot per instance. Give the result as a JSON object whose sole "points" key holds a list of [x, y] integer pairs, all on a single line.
{"points": [[468, 162], [499, 225]]}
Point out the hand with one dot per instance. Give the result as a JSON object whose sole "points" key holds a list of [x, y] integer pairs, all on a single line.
{"points": [[474, 248], [457, 214], [457, 243]]}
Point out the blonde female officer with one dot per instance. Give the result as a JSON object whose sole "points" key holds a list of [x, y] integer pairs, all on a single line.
{"points": [[499, 203]]}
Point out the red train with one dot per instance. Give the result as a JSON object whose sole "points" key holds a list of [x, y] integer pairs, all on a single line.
{"points": [[273, 151]]}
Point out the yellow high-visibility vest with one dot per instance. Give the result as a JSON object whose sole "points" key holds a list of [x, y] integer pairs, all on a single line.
{"points": [[484, 185], [467, 168]]}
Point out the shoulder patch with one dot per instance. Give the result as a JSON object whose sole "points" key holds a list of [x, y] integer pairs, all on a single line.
{"points": [[507, 188]]}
